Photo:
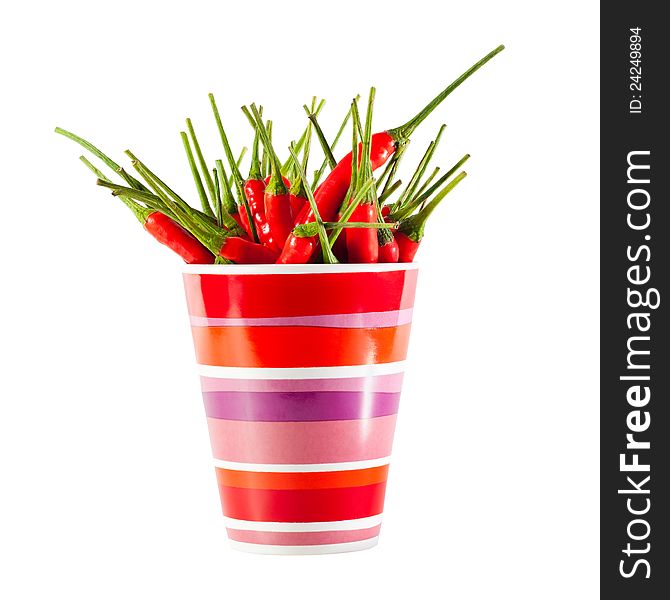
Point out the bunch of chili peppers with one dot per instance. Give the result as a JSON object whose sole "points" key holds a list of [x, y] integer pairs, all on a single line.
{"points": [[276, 215]]}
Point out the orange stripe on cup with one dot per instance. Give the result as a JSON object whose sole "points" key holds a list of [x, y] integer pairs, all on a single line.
{"points": [[302, 481], [286, 347]]}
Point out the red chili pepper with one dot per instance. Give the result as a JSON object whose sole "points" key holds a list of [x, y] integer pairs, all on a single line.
{"points": [[254, 191], [277, 200], [278, 212], [330, 194], [245, 252], [170, 234], [386, 211], [389, 251], [240, 219], [297, 204], [407, 247], [362, 244], [175, 237], [340, 247]]}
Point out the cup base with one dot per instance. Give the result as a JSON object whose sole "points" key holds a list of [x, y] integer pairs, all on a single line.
{"points": [[295, 550]]}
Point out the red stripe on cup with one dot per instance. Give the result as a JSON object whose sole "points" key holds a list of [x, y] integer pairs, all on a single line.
{"points": [[292, 295], [337, 504], [286, 347]]}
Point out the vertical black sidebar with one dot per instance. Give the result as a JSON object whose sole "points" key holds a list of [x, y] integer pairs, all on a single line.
{"points": [[635, 298]]}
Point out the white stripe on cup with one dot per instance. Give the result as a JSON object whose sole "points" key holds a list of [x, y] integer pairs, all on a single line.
{"points": [[302, 372], [349, 525], [316, 549], [302, 468], [362, 320]]}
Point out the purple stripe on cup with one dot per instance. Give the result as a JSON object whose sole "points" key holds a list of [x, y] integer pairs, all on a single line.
{"points": [[299, 406], [380, 383], [368, 320]]}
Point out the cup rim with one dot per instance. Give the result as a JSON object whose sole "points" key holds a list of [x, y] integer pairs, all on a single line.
{"points": [[296, 269]]}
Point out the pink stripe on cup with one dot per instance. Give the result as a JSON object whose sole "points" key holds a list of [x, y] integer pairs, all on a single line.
{"points": [[302, 538], [312, 442], [390, 318]]}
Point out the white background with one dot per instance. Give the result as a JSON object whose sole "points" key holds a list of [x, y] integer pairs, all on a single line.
{"points": [[107, 481]]}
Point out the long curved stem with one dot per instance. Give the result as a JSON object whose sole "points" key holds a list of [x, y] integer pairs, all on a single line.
{"points": [[129, 179], [402, 133]]}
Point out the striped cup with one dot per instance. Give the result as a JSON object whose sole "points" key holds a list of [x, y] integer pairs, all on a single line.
{"points": [[301, 368]]}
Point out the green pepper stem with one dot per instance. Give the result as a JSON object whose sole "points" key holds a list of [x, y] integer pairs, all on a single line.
{"points": [[298, 185], [322, 138], [399, 213], [428, 181], [265, 158], [218, 206], [98, 173], [227, 198], [196, 175], [228, 202], [403, 133], [356, 137], [359, 225], [365, 166], [301, 140], [205, 232], [141, 212], [243, 152], [389, 192], [408, 192], [169, 197], [415, 225], [170, 207], [255, 169], [276, 184], [384, 178], [237, 176], [130, 180], [204, 168], [318, 174]]}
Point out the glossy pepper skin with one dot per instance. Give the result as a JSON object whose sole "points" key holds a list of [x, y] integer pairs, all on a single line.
{"points": [[340, 245], [407, 247], [330, 195], [175, 237], [246, 252], [389, 252], [362, 244], [277, 201], [297, 204], [254, 191], [240, 219], [276, 197], [243, 221]]}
